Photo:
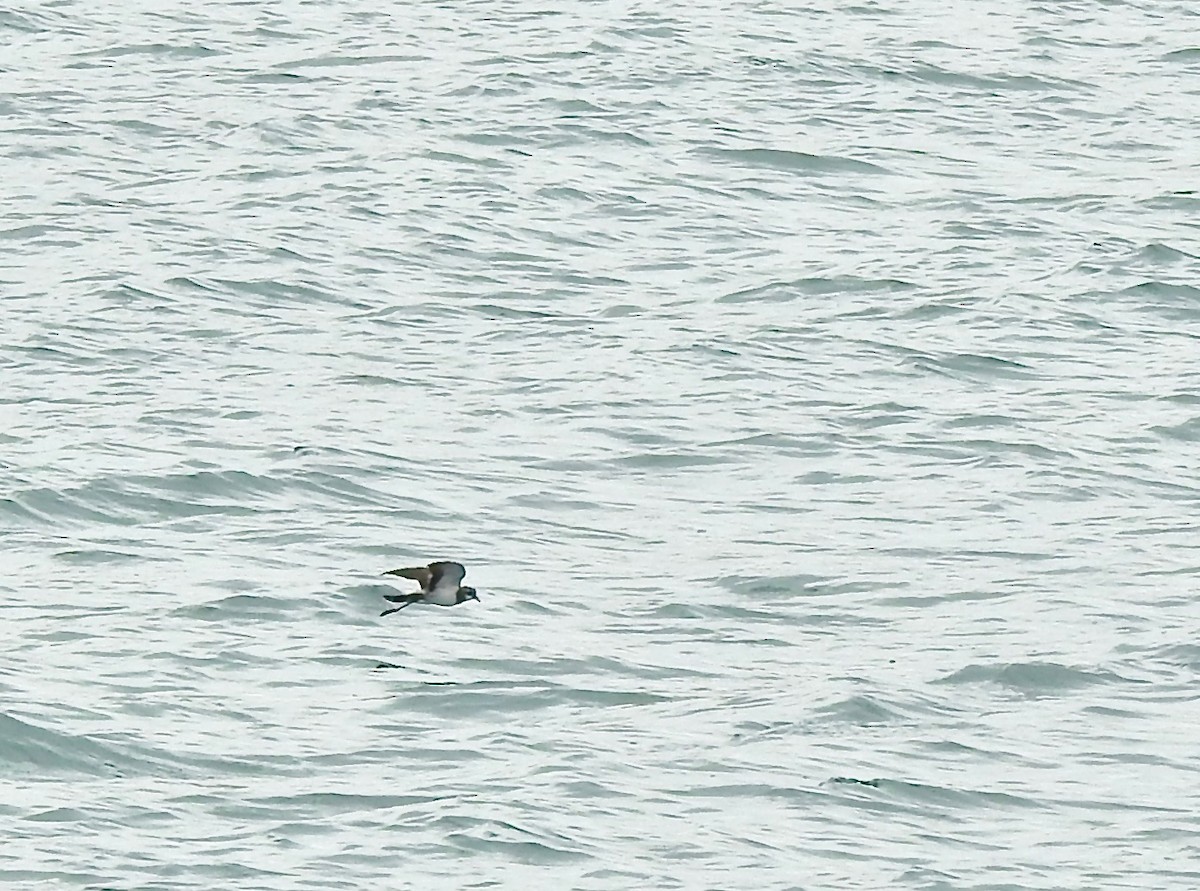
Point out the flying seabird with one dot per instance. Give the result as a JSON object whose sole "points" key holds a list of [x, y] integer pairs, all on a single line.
{"points": [[441, 584]]}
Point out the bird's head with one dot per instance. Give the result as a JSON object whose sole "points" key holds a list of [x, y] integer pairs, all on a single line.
{"points": [[465, 594]]}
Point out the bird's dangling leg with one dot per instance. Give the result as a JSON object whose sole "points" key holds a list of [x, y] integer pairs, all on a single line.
{"points": [[402, 599], [395, 609]]}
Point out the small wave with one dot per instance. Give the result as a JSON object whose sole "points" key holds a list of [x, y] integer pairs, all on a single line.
{"points": [[1035, 678], [30, 749], [798, 162], [926, 796], [782, 291]]}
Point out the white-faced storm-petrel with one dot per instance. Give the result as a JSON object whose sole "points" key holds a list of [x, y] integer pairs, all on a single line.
{"points": [[441, 584]]}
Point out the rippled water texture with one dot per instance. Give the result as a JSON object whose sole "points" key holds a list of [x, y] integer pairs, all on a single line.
{"points": [[812, 392]]}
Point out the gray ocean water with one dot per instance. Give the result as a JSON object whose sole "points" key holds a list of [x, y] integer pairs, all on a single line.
{"points": [[812, 391]]}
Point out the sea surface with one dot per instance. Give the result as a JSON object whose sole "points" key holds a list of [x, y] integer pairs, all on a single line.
{"points": [[812, 391]]}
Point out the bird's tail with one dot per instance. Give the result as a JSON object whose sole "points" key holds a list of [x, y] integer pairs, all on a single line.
{"points": [[402, 598]]}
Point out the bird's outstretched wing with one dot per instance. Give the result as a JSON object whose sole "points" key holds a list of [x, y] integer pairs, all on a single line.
{"points": [[448, 573], [420, 574]]}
